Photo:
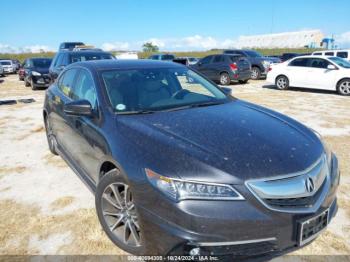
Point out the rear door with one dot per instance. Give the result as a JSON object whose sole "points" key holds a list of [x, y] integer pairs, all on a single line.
{"points": [[296, 72], [216, 67], [203, 66]]}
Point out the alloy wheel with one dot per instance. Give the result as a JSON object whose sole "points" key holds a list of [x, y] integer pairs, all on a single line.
{"points": [[120, 215], [344, 87], [255, 74], [282, 83], [224, 79]]}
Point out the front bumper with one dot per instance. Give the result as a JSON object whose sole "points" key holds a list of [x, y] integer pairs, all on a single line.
{"points": [[41, 81], [239, 228]]}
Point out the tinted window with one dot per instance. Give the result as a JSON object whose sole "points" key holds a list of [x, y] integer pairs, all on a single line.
{"points": [[168, 57], [253, 54], [342, 54], [318, 63], [5, 63], [86, 57], [84, 88], [43, 63], [66, 81], [229, 52], [206, 60], [158, 89], [59, 60], [299, 62], [329, 53], [317, 53], [218, 59]]}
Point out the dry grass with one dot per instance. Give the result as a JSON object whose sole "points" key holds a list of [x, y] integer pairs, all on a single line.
{"points": [[12, 169], [54, 160], [62, 202], [20, 222]]}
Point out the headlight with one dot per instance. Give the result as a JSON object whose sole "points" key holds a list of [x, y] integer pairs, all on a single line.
{"points": [[266, 63], [179, 189], [34, 73]]}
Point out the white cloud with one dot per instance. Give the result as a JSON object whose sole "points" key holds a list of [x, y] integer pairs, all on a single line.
{"points": [[4, 48], [343, 40], [116, 46]]}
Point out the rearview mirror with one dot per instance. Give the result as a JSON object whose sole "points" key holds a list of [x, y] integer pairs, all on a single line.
{"points": [[331, 67], [78, 108]]}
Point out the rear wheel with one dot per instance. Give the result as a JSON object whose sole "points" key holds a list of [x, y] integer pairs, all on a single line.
{"points": [[256, 73], [225, 79], [343, 87], [282, 83], [117, 212], [32, 85], [26, 82]]}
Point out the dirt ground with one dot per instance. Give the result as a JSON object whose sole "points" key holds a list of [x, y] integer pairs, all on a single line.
{"points": [[46, 209]]}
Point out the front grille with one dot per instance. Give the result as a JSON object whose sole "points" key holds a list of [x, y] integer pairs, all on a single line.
{"points": [[295, 202]]}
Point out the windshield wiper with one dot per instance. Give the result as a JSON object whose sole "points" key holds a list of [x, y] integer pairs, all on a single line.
{"points": [[194, 105], [136, 112]]}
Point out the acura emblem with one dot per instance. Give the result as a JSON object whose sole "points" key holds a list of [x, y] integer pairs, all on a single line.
{"points": [[309, 184]]}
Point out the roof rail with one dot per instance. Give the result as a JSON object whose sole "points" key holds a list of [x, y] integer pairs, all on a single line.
{"points": [[85, 47]]}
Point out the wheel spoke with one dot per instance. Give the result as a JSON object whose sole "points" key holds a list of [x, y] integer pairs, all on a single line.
{"points": [[117, 195], [110, 200], [134, 233], [115, 225], [106, 213], [126, 195], [126, 232]]}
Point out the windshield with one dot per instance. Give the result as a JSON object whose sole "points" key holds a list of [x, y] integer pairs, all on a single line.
{"points": [[340, 62], [86, 57], [159, 89], [42, 63], [253, 54], [5, 63]]}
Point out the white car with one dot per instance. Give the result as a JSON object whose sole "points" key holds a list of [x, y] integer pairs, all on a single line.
{"points": [[344, 53], [316, 72], [8, 66]]}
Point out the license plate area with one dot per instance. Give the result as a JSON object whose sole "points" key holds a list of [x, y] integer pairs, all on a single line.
{"points": [[311, 228]]}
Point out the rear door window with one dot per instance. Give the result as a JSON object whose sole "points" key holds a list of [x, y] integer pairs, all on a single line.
{"points": [[218, 59], [317, 53], [342, 54], [206, 60], [329, 53]]}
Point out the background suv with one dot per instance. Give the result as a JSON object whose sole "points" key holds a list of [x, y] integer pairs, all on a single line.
{"points": [[224, 68], [70, 45], [66, 57], [260, 64], [163, 57], [8, 66]]}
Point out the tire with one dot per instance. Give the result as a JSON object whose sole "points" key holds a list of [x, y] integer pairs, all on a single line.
{"points": [[343, 87], [119, 214], [51, 139], [224, 79], [282, 83], [32, 85], [243, 81], [256, 73], [26, 84]]}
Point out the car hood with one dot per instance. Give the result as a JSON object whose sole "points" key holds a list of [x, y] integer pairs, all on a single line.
{"points": [[237, 140], [41, 70]]}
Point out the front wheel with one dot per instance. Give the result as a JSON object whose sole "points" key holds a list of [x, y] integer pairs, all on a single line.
{"points": [[282, 83], [343, 87], [51, 139], [117, 212], [225, 79]]}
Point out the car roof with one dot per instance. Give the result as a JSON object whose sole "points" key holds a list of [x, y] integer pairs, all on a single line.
{"points": [[125, 64], [84, 51]]}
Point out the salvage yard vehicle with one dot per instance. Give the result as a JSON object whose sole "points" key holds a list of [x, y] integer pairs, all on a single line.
{"points": [[66, 57], [162, 57], [345, 53], [8, 66], [224, 68], [260, 64], [315, 72], [179, 167], [36, 72]]}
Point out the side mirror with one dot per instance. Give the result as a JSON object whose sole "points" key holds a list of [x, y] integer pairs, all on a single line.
{"points": [[226, 90], [199, 63], [78, 108], [331, 67], [61, 67]]}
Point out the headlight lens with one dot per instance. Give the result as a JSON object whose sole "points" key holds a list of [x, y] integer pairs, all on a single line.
{"points": [[34, 73], [266, 63], [178, 189]]}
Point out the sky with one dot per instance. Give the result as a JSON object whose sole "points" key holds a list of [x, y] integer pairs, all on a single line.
{"points": [[31, 25]]}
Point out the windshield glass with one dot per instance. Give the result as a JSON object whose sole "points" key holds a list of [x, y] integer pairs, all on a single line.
{"points": [[159, 89], [42, 63], [86, 57], [168, 57], [5, 63], [340, 62], [253, 54]]}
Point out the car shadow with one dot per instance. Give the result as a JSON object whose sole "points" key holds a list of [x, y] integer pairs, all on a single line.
{"points": [[303, 90]]}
